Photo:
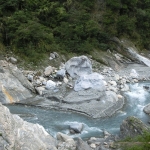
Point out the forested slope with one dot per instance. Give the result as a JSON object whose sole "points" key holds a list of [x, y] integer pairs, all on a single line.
{"points": [[33, 27]]}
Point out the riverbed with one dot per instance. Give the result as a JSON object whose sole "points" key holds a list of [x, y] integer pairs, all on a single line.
{"points": [[58, 121]]}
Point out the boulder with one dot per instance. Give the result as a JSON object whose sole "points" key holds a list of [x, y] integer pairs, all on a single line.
{"points": [[81, 145], [94, 81], [78, 66], [30, 77], [18, 134], [52, 55], [56, 54], [132, 127], [147, 109], [48, 70], [76, 127], [61, 74], [50, 85], [13, 60]]}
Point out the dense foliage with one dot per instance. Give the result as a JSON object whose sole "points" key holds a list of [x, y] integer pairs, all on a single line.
{"points": [[32, 27], [141, 142]]}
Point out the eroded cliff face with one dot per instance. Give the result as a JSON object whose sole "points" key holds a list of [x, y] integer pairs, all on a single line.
{"points": [[14, 86], [21, 135]]}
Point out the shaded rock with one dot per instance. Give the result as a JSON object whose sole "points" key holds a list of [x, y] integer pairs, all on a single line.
{"points": [[81, 145], [132, 127], [146, 87], [94, 81], [30, 77], [18, 134], [78, 66], [61, 74], [147, 109], [48, 71], [50, 84], [56, 54], [77, 127]]}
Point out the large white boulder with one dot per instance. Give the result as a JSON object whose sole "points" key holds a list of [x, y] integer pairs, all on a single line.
{"points": [[93, 80], [78, 66]]}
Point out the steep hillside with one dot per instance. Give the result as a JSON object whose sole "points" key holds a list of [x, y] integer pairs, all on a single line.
{"points": [[31, 28]]}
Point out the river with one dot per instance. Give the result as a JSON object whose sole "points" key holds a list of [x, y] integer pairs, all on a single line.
{"points": [[59, 121]]}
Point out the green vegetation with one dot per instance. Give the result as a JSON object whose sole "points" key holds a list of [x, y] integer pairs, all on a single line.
{"points": [[31, 28], [141, 142]]}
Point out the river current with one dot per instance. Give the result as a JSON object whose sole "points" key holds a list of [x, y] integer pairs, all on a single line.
{"points": [[58, 121]]}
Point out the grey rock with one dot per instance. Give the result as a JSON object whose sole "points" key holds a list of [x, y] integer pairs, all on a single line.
{"points": [[61, 74], [132, 127], [50, 84], [48, 70], [147, 109], [13, 60], [65, 142], [94, 81], [78, 66], [125, 88], [56, 54], [81, 145], [18, 134], [77, 127], [92, 103], [30, 77], [14, 85], [52, 55], [63, 137]]}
